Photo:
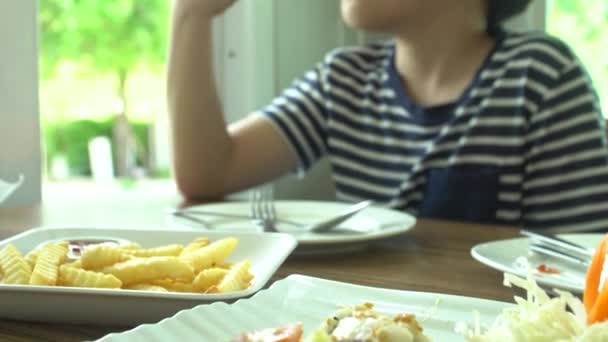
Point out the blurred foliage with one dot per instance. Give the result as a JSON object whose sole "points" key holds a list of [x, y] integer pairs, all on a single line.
{"points": [[71, 139], [102, 36], [584, 26], [92, 40]]}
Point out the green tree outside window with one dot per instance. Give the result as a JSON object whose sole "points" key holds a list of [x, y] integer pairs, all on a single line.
{"points": [[101, 40], [584, 26]]}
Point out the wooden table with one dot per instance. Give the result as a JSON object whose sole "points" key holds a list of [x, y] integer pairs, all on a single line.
{"points": [[433, 257]]}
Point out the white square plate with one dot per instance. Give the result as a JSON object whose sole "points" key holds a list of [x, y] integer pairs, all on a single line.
{"points": [[311, 300], [128, 307]]}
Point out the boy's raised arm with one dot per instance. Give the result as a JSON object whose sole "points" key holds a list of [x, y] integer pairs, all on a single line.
{"points": [[209, 159]]}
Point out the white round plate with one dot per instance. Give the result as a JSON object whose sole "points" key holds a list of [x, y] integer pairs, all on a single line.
{"points": [[373, 223], [512, 256]]}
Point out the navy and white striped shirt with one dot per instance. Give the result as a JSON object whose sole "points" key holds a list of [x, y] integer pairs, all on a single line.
{"points": [[524, 144]]}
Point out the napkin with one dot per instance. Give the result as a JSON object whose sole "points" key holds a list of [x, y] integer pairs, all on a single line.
{"points": [[7, 189]]}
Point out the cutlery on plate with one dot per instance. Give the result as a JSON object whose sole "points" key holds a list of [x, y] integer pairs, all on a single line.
{"points": [[192, 218], [559, 254], [262, 209], [319, 227], [193, 212], [328, 224], [558, 244]]}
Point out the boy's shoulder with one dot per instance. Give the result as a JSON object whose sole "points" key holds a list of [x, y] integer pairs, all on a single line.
{"points": [[538, 46]]}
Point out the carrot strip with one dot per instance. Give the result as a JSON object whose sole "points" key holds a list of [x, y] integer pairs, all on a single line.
{"points": [[599, 312], [592, 280]]}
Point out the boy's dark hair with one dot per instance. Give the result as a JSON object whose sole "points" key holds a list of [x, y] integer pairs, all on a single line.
{"points": [[501, 10]]}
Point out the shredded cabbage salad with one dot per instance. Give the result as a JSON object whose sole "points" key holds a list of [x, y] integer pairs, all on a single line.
{"points": [[537, 318]]}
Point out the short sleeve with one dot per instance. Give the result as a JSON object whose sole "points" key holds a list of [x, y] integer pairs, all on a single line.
{"points": [[566, 171], [300, 115]]}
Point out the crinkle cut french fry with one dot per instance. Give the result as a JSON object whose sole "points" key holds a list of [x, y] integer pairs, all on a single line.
{"points": [[195, 245], [76, 277], [175, 286], [74, 264], [211, 255], [130, 245], [32, 256], [46, 270], [165, 268], [102, 255], [225, 265], [212, 289], [169, 250], [208, 278], [141, 270], [146, 287], [16, 270], [237, 279]]}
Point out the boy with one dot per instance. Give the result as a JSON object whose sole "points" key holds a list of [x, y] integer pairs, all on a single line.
{"points": [[454, 118]]}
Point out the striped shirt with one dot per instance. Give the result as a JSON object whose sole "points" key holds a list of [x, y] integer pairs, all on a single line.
{"points": [[524, 145]]}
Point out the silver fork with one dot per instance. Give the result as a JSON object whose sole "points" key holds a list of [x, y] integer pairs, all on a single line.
{"points": [[263, 211]]}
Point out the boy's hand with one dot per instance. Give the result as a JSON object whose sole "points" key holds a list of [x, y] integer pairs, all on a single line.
{"points": [[207, 8]]}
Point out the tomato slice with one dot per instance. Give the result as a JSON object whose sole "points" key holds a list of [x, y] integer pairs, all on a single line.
{"points": [[283, 333], [547, 269]]}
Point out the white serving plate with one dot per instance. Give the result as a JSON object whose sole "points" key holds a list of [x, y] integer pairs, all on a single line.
{"points": [[311, 300], [512, 256], [371, 224], [127, 307]]}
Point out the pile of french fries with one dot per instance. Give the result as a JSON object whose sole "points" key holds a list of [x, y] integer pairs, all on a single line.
{"points": [[198, 267]]}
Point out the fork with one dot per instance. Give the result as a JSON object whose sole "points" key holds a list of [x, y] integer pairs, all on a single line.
{"points": [[553, 246], [263, 211], [558, 244]]}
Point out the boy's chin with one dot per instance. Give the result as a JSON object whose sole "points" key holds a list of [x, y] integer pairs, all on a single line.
{"points": [[375, 26], [362, 15]]}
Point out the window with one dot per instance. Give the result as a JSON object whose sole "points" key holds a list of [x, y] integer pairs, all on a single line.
{"points": [[584, 26], [102, 90]]}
